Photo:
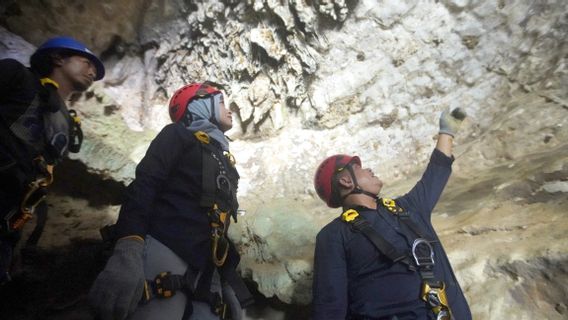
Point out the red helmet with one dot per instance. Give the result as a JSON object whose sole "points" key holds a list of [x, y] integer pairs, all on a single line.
{"points": [[324, 178], [183, 96]]}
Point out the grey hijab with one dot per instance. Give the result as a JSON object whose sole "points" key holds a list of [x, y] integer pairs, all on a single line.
{"points": [[202, 111]]}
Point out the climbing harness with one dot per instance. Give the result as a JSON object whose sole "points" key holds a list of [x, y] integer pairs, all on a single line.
{"points": [[36, 192], [197, 287], [165, 286], [420, 258]]}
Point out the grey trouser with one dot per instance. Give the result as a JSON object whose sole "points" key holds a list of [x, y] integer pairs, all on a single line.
{"points": [[159, 258]]}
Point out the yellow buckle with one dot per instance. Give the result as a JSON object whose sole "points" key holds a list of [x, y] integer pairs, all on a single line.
{"points": [[202, 136], [349, 215], [391, 205]]}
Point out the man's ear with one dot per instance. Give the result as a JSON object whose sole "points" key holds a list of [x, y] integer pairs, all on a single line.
{"points": [[345, 182]]}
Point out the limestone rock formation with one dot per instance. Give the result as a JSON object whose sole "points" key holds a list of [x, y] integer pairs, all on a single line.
{"points": [[306, 79]]}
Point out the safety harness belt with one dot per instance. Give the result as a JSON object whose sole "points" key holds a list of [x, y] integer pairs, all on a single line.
{"points": [[432, 291], [165, 285]]}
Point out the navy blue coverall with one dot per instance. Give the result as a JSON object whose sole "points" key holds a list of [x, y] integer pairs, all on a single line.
{"points": [[353, 279]]}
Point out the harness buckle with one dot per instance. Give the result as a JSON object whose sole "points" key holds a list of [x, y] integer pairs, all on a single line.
{"points": [[202, 137], [349, 215], [417, 248], [161, 287], [392, 206], [164, 287]]}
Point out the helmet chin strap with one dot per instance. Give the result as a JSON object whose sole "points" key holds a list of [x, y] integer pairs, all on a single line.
{"points": [[357, 189], [213, 118]]}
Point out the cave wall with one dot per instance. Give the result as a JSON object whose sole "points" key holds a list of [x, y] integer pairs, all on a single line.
{"points": [[306, 79]]}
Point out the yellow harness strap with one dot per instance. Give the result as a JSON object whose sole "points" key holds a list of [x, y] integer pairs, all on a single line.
{"points": [[45, 81]]}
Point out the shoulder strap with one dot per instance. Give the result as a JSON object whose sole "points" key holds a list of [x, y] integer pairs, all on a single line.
{"points": [[209, 169], [359, 223], [394, 208], [220, 177]]}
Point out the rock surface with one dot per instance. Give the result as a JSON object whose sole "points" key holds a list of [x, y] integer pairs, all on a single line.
{"points": [[307, 79]]}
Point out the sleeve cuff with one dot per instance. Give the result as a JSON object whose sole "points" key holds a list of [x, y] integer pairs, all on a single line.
{"points": [[439, 158]]}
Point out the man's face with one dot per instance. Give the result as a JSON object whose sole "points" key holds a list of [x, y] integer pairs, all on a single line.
{"points": [[79, 70], [367, 179], [225, 117]]}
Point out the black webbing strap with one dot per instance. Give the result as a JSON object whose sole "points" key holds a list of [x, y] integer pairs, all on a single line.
{"points": [[405, 219], [203, 289], [209, 172], [229, 274], [402, 215], [360, 224]]}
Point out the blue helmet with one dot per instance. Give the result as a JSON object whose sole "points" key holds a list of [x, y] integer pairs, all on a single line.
{"points": [[76, 46]]}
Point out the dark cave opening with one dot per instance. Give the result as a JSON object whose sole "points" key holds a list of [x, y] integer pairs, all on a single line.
{"points": [[72, 178]]}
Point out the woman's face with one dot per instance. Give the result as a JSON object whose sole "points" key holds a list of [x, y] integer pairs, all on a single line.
{"points": [[225, 116]]}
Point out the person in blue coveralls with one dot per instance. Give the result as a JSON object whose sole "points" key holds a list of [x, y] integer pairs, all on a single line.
{"points": [[382, 259]]}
